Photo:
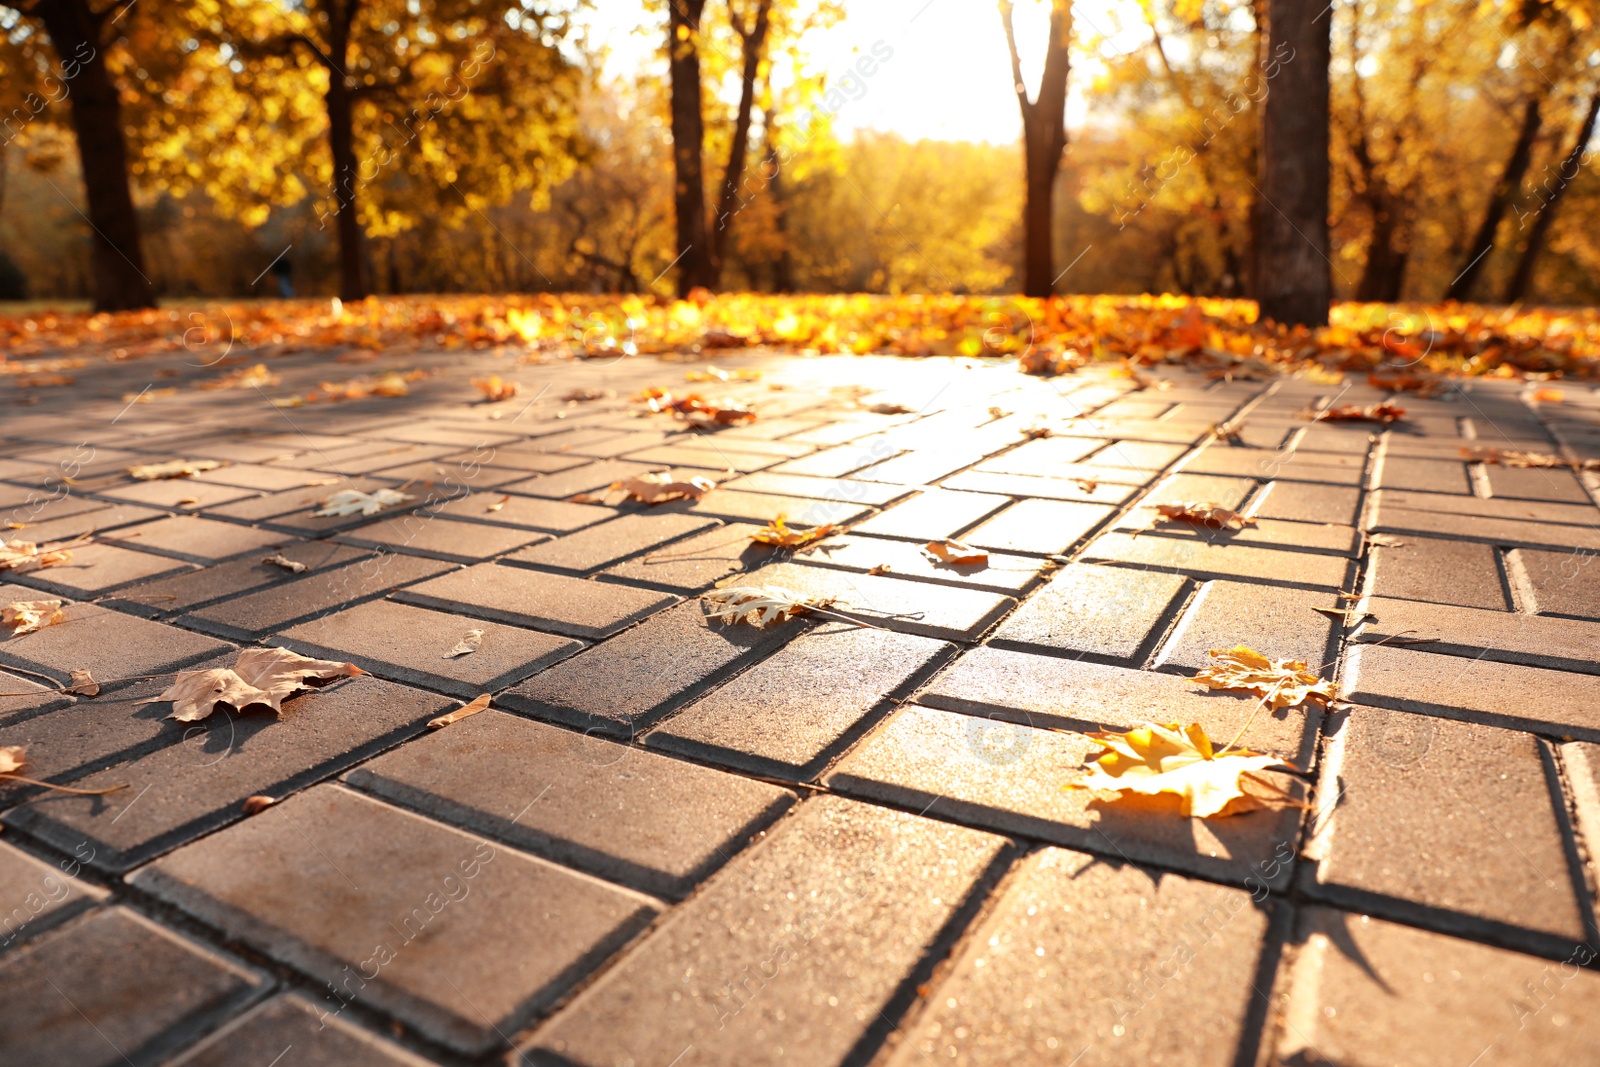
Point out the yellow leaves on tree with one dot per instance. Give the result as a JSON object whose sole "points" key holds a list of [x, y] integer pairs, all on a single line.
{"points": [[1178, 760], [264, 676], [1281, 683]]}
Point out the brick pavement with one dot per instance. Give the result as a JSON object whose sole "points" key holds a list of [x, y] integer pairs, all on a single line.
{"points": [[673, 843]]}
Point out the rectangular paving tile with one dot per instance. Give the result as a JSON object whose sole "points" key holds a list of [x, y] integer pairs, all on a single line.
{"points": [[97, 569], [1281, 623], [1558, 583], [844, 490], [594, 547], [1038, 527], [1510, 637], [1201, 559], [1168, 950], [1319, 471], [410, 644], [1388, 516], [35, 895], [786, 956], [1399, 779], [1009, 778], [1535, 484], [734, 505], [312, 1030], [461, 939], [197, 540], [657, 824], [1423, 475], [1309, 502], [906, 559], [586, 479], [787, 715], [1437, 571], [504, 509], [426, 534], [697, 562], [1109, 612], [932, 514], [523, 597], [107, 643], [197, 588], [1083, 483], [621, 685], [943, 612], [200, 775]]}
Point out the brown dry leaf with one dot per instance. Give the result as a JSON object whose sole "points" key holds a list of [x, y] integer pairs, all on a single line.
{"points": [[1382, 413], [1510, 457], [278, 559], [587, 498], [498, 504], [955, 554], [580, 396], [260, 676], [1229, 431], [464, 711], [1349, 618], [495, 388], [83, 684], [1383, 540], [26, 616], [887, 408], [1177, 759], [1035, 433], [882, 568], [1403, 383], [466, 646], [660, 487], [15, 757], [259, 803], [767, 604], [998, 412], [1548, 395], [1283, 683], [21, 557], [12, 758], [1088, 485], [778, 534], [178, 468], [1211, 515]]}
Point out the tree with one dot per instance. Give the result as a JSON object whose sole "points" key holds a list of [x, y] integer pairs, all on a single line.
{"points": [[688, 144], [80, 36], [1550, 200], [1044, 137], [1500, 197], [1293, 274], [752, 40]]}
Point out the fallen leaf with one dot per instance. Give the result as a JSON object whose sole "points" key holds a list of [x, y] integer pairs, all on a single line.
{"points": [[1229, 431], [280, 560], [768, 604], [178, 468], [887, 408], [83, 684], [1177, 759], [1349, 618], [495, 388], [464, 711], [355, 502], [1088, 485], [1510, 457], [1403, 383], [998, 413], [695, 408], [580, 396], [778, 534], [1283, 683], [1383, 413], [21, 557], [257, 804], [587, 498], [882, 568], [955, 554], [467, 645], [26, 616], [1210, 515], [259, 676], [1549, 396], [1383, 540], [14, 757], [660, 487], [1035, 433], [498, 504]]}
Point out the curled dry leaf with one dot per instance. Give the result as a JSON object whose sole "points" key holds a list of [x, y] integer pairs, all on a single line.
{"points": [[260, 676], [778, 534], [178, 468], [695, 408], [661, 487], [1177, 759], [20, 557], [587, 498], [466, 646], [1036, 433], [1211, 515], [498, 504], [998, 412], [26, 616], [1508, 457], [1403, 383], [767, 604], [1088, 485], [13, 758], [464, 711], [355, 502], [495, 388], [1383, 540], [955, 554], [1381, 413], [882, 568], [1229, 431], [1282, 683], [83, 684], [278, 559], [888, 408], [580, 396], [259, 803]]}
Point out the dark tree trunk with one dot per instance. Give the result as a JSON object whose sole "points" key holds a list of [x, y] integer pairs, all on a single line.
{"points": [[783, 266], [688, 145], [1384, 275], [1549, 203], [1044, 134], [341, 101], [1500, 197], [118, 278], [1293, 274], [753, 40]]}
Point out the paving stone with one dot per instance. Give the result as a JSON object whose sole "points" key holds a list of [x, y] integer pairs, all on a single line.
{"points": [[1437, 571], [1559, 583], [111, 645], [409, 644], [584, 479], [257, 476], [523, 597], [919, 467], [1027, 989], [197, 540], [310, 1030], [1281, 623], [1367, 993], [197, 588], [426, 534], [829, 463], [733, 505], [1327, 469], [1008, 778], [1309, 502], [657, 824], [1327, 538], [905, 559], [706, 455], [1475, 690], [97, 569], [1515, 523], [24, 695], [176, 493], [294, 510], [1422, 475], [390, 457], [1201, 488], [255, 615], [1043, 456], [1038, 527], [549, 516], [35, 895], [58, 523], [789, 714], [111, 990], [521, 458], [1534, 640], [619, 686], [1110, 612], [473, 939], [791, 953], [1533, 483], [595, 547], [943, 612], [1080, 484], [932, 514], [1202, 559], [697, 562]]}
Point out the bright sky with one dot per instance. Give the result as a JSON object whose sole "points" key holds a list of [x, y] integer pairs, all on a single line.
{"points": [[949, 75]]}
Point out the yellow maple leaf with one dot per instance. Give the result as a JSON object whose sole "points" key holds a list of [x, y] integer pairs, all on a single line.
{"points": [[1281, 683], [1177, 759], [778, 534]]}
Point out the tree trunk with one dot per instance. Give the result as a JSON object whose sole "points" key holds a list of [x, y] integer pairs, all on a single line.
{"points": [[118, 278], [1547, 208], [1477, 254], [1044, 132], [342, 144], [783, 266], [1293, 273], [1384, 275], [753, 41], [688, 145]]}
